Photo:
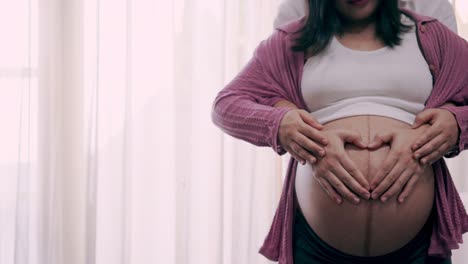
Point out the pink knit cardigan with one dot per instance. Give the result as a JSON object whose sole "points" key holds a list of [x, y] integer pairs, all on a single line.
{"points": [[244, 109]]}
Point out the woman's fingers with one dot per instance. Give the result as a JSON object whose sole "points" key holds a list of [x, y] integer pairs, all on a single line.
{"points": [[427, 136], [300, 154], [423, 117], [330, 190], [310, 147], [380, 139], [436, 154], [388, 165], [352, 137], [295, 155], [350, 167], [312, 140], [398, 185], [388, 181], [408, 187], [289, 130], [430, 146], [350, 182], [309, 119], [313, 134], [341, 188]]}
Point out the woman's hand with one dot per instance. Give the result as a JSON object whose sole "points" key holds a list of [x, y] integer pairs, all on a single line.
{"points": [[300, 135], [439, 138], [400, 171], [336, 172], [298, 129]]}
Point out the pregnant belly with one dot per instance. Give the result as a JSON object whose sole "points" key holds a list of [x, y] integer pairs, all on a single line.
{"points": [[370, 228]]}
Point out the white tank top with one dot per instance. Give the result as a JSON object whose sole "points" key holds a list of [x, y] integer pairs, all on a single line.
{"points": [[341, 82]]}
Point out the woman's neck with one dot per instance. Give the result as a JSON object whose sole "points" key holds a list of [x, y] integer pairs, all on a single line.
{"points": [[360, 36], [363, 28]]}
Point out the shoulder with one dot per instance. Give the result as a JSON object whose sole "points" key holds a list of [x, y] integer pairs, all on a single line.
{"points": [[275, 52], [292, 26], [435, 8], [280, 40], [285, 34], [289, 10], [417, 17], [431, 27]]}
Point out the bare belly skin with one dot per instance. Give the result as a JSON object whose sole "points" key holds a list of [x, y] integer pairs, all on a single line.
{"points": [[370, 228]]}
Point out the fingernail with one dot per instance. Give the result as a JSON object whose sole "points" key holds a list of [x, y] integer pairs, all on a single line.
{"points": [[418, 155], [402, 200], [322, 152], [303, 162], [324, 141], [423, 161], [338, 200], [367, 195], [375, 195], [357, 200], [384, 199]]}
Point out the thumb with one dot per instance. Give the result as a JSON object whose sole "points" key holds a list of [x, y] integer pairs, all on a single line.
{"points": [[309, 119], [380, 139], [354, 138], [423, 117]]}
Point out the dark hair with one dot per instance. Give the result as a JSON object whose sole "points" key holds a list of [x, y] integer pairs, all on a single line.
{"points": [[323, 21]]}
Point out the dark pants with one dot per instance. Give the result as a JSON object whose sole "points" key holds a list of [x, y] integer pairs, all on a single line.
{"points": [[309, 248]]}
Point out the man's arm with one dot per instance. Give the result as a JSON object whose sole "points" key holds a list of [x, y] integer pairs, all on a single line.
{"points": [[289, 10], [442, 10]]}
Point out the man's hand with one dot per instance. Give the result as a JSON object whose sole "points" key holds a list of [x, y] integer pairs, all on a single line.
{"points": [[400, 171], [336, 172], [439, 138]]}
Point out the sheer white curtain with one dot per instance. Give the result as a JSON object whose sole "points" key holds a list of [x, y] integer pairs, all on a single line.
{"points": [[107, 150], [19, 162], [164, 184]]}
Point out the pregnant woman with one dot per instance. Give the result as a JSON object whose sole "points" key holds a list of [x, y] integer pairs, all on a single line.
{"points": [[363, 69]]}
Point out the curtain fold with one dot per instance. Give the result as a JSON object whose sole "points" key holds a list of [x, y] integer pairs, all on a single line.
{"points": [[61, 199]]}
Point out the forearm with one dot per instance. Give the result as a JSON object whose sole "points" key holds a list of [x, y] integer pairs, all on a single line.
{"points": [[245, 119], [244, 108], [285, 103]]}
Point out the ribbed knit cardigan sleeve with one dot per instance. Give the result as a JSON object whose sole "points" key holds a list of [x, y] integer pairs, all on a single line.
{"points": [[452, 73], [244, 107]]}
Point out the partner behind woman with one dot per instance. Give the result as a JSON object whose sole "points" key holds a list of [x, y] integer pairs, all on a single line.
{"points": [[364, 69]]}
